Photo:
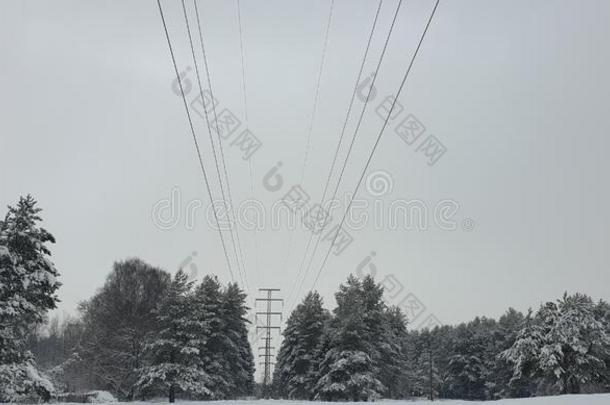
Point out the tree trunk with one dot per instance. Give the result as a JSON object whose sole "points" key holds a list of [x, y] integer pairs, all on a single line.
{"points": [[172, 394], [430, 374]]}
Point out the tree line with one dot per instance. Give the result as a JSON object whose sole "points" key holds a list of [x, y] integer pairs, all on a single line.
{"points": [[146, 333], [362, 351], [143, 334]]}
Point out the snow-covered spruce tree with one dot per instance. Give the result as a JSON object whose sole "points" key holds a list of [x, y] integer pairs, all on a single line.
{"points": [[523, 354], [296, 369], [565, 345], [283, 371], [347, 370], [414, 384], [602, 313], [28, 286], [442, 348], [392, 360], [423, 377], [386, 329], [584, 344], [215, 344], [472, 361], [509, 326], [239, 354], [176, 361]]}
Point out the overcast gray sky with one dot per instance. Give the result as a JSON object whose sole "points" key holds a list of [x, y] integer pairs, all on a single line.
{"points": [[517, 91]]}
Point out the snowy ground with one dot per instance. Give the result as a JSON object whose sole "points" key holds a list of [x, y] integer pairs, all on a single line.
{"points": [[601, 399]]}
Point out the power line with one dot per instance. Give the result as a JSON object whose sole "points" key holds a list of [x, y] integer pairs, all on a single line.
{"points": [[314, 109], [190, 121], [385, 123], [243, 69], [317, 92], [245, 93], [339, 143], [222, 156], [357, 128], [188, 28]]}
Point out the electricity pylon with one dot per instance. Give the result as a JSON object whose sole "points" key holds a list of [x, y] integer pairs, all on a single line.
{"points": [[268, 317]]}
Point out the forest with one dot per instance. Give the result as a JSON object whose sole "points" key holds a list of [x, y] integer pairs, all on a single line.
{"points": [[363, 350], [148, 334]]}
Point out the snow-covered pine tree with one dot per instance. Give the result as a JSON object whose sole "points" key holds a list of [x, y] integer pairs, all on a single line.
{"points": [[392, 361], [584, 344], [28, 286], [215, 344], [565, 345], [509, 326], [524, 353], [239, 355], [602, 313], [386, 331], [414, 382], [284, 369], [472, 362], [347, 370], [374, 317], [424, 377], [442, 346], [176, 361], [296, 368]]}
